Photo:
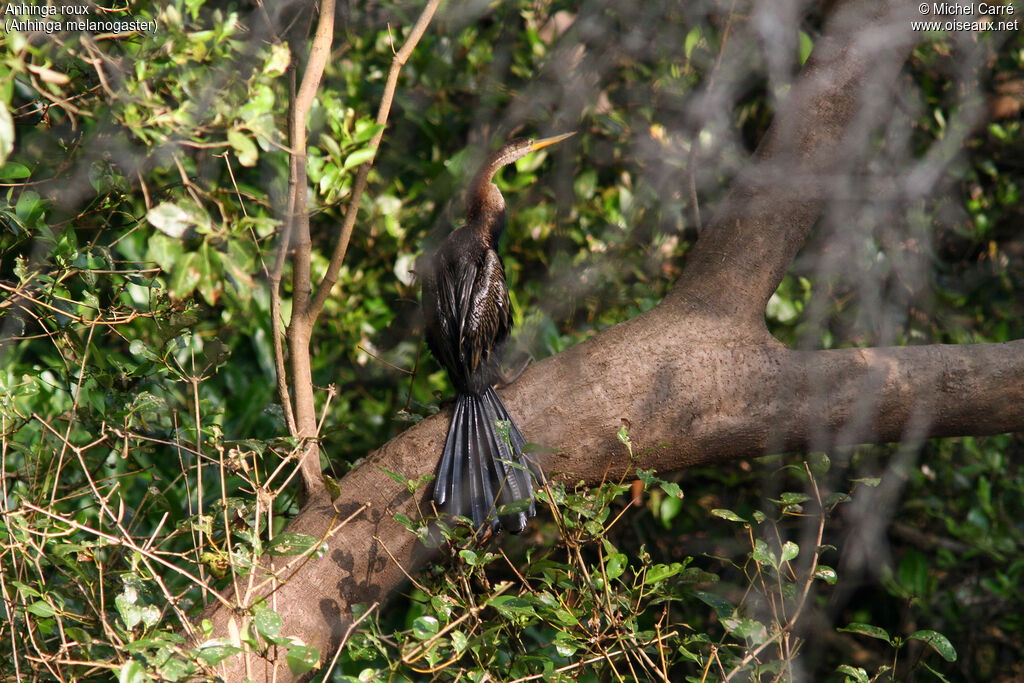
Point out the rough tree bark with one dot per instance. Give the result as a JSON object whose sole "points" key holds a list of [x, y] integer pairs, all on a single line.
{"points": [[699, 378]]}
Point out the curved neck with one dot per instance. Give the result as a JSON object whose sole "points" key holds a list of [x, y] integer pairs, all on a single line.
{"points": [[485, 206]]}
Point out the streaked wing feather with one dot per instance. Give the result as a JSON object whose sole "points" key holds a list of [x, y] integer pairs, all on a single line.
{"points": [[490, 295]]}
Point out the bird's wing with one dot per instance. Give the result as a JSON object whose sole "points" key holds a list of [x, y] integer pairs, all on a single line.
{"points": [[453, 296], [489, 312], [473, 314]]}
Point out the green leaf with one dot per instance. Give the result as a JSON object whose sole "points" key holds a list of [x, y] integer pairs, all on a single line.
{"points": [[394, 475], [278, 61], [149, 615], [826, 574], [857, 675], [175, 669], [215, 651], [938, 641], [425, 627], [166, 251], [866, 630], [819, 463], [669, 509], [672, 489], [211, 280], [29, 207], [692, 38], [728, 515], [660, 572], [291, 543], [41, 608], [175, 219], [245, 148], [132, 672], [763, 555], [267, 621], [806, 45], [510, 606], [723, 608], [303, 658], [835, 499], [789, 551], [615, 565], [565, 646], [459, 641], [749, 629], [623, 435], [130, 613], [366, 128], [26, 590], [13, 171], [792, 498], [184, 277], [360, 156]]}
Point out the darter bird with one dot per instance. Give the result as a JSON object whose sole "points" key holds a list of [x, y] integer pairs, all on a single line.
{"points": [[468, 318]]}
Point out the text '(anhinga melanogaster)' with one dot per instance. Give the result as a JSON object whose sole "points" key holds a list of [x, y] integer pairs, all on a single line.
{"points": [[468, 318]]}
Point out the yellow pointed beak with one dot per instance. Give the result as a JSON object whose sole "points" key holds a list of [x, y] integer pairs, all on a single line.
{"points": [[544, 142]]}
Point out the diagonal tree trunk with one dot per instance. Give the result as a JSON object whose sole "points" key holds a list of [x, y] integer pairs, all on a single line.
{"points": [[699, 378]]}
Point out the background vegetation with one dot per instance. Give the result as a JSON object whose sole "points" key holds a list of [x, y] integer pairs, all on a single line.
{"points": [[145, 461]]}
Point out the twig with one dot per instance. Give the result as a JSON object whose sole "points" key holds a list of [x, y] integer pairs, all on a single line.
{"points": [[300, 325], [298, 403], [421, 649], [597, 658], [344, 639], [399, 565], [752, 655], [131, 544]]}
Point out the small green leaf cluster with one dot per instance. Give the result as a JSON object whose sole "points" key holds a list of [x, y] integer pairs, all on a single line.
{"points": [[935, 640]]}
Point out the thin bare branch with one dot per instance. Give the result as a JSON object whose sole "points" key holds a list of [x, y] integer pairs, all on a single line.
{"points": [[301, 324]]}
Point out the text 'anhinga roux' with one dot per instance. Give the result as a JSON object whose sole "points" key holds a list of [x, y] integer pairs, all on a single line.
{"points": [[468, 318]]}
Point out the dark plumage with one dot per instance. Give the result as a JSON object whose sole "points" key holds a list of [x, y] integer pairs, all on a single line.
{"points": [[468, 319]]}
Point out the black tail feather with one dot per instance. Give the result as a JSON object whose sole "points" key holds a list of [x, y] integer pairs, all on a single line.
{"points": [[475, 477]]}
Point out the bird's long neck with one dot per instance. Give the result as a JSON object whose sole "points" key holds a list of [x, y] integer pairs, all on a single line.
{"points": [[485, 207]]}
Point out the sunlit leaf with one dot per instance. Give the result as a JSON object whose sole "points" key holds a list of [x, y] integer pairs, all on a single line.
{"points": [[938, 641], [866, 630]]}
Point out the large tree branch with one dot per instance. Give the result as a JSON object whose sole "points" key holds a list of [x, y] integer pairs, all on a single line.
{"points": [[690, 397]]}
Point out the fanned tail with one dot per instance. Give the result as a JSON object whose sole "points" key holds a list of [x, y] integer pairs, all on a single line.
{"points": [[483, 466]]}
